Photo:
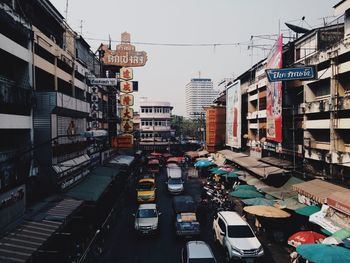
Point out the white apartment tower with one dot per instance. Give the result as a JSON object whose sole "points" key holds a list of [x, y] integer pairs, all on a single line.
{"points": [[199, 93]]}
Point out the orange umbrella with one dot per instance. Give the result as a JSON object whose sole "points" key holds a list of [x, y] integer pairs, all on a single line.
{"points": [[305, 237]]}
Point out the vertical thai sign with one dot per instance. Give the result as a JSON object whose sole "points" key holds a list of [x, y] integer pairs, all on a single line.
{"points": [[233, 115], [274, 95]]}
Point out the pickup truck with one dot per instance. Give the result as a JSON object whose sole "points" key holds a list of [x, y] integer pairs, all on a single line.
{"points": [[186, 223]]}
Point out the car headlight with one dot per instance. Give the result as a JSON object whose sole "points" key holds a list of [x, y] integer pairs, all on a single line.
{"points": [[260, 250], [154, 227], [236, 250]]}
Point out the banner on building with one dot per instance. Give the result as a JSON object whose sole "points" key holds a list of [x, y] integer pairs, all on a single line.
{"points": [[233, 115], [274, 95]]}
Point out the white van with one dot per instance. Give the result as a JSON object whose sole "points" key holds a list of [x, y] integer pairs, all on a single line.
{"points": [[174, 172]]}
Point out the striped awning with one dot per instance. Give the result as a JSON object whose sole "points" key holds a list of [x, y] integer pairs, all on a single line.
{"points": [[21, 243]]}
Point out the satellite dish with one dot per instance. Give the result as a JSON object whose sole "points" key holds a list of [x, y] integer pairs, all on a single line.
{"points": [[297, 29]]}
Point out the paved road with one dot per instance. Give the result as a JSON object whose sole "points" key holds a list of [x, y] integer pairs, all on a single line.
{"points": [[124, 245]]}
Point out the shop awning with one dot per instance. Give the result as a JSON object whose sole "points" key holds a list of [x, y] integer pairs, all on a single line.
{"points": [[340, 201], [230, 155], [317, 190], [94, 184], [21, 243], [122, 160], [285, 164], [285, 191]]}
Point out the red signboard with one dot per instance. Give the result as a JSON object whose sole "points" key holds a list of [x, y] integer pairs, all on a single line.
{"points": [[123, 141], [274, 95]]}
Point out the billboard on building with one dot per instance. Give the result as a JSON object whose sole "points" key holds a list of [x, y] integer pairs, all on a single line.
{"points": [[274, 95], [233, 115]]}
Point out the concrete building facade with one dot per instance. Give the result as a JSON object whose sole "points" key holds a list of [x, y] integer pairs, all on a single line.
{"points": [[155, 128], [199, 93]]}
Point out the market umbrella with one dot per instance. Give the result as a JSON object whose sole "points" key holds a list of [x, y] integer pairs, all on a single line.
{"points": [[253, 181], [245, 187], [203, 163], [257, 201], [266, 211], [231, 174], [246, 194], [321, 253], [227, 169], [308, 210], [305, 237]]}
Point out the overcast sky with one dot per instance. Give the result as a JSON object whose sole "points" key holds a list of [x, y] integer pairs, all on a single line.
{"points": [[170, 68]]}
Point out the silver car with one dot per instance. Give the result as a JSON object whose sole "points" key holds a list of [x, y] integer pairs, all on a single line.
{"points": [[197, 252], [175, 185], [147, 219]]}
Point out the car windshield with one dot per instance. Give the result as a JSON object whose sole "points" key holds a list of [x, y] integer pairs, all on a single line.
{"points": [[146, 213], [175, 181], [147, 186], [201, 260], [240, 232]]}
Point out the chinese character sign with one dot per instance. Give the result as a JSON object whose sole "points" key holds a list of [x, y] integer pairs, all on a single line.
{"points": [[233, 115], [127, 126], [126, 86], [126, 73], [126, 100], [127, 113]]}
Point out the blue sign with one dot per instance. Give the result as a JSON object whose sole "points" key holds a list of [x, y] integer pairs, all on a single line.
{"points": [[300, 73]]}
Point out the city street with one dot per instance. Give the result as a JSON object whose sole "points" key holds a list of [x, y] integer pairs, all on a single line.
{"points": [[123, 244]]}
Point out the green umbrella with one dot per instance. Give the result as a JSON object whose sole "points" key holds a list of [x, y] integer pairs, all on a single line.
{"points": [[246, 194], [326, 232], [231, 175], [308, 210], [218, 171], [321, 253], [203, 163], [341, 234], [245, 187], [258, 201]]}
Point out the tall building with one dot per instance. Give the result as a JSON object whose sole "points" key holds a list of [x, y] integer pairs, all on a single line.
{"points": [[199, 93], [155, 130]]}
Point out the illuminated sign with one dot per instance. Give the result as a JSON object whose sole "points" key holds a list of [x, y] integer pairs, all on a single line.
{"points": [[127, 113], [127, 126], [300, 73], [123, 141], [126, 100], [125, 54], [126, 86], [104, 81], [126, 74]]}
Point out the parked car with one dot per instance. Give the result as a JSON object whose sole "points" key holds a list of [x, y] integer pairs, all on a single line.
{"points": [[186, 223], [236, 236], [174, 171], [175, 185], [146, 190], [197, 252], [147, 219]]}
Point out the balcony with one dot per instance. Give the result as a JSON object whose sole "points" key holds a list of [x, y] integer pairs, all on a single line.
{"points": [[317, 106], [14, 99], [154, 115], [155, 128], [252, 115], [252, 97], [344, 103], [317, 124]]}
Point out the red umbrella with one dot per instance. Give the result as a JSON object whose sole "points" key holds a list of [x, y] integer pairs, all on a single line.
{"points": [[305, 237]]}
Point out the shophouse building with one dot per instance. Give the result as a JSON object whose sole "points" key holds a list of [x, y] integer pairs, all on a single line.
{"points": [[155, 128]]}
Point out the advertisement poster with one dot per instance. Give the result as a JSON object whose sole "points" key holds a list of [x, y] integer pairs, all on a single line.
{"points": [[233, 115], [274, 95]]}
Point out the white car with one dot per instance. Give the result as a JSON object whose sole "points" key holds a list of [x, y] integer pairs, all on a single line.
{"points": [[197, 252], [147, 219], [236, 236], [175, 185]]}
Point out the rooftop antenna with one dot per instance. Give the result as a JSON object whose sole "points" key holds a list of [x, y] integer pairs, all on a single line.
{"points": [[199, 74], [110, 42], [66, 11]]}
